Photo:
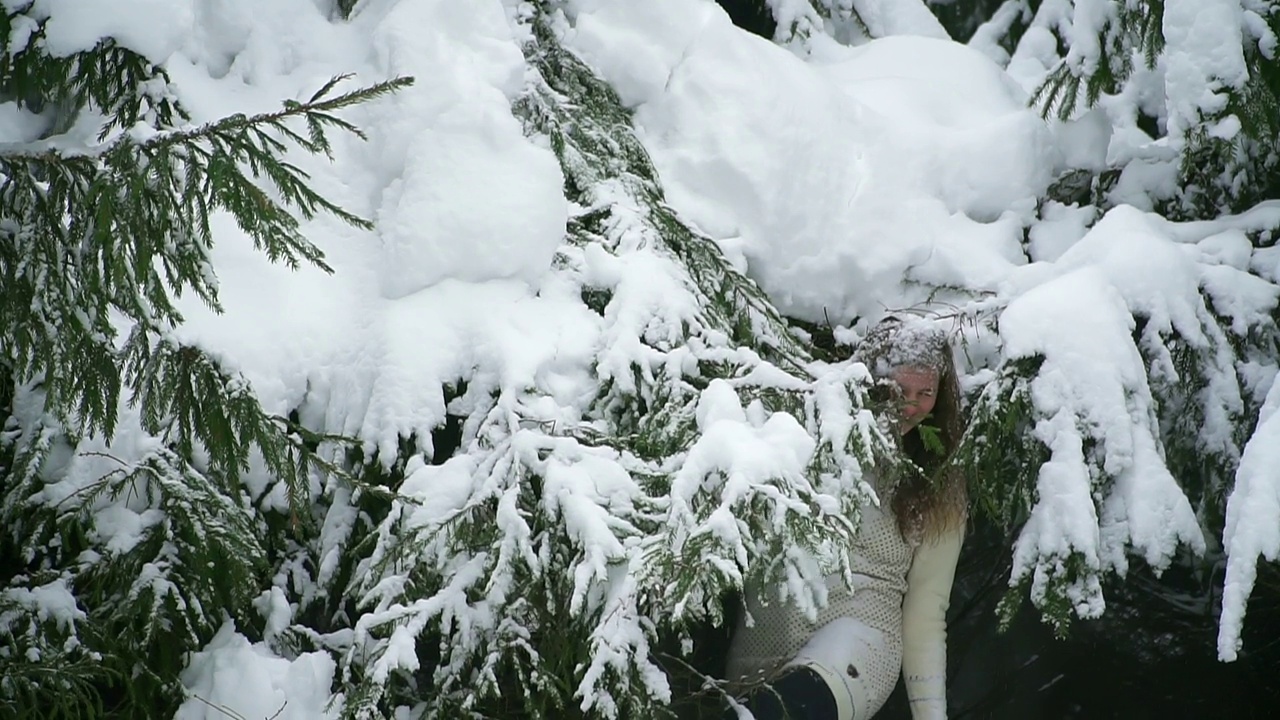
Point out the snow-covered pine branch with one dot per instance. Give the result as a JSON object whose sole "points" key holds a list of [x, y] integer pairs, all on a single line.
{"points": [[1147, 441], [1187, 88], [1141, 394], [46, 664], [560, 547], [125, 449], [515, 451], [1178, 102]]}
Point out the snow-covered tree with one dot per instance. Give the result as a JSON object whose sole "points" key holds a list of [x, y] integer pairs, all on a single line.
{"points": [[1185, 95], [149, 497], [119, 563], [1123, 431], [579, 544], [579, 390]]}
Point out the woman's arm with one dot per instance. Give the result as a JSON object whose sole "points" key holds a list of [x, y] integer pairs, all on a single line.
{"points": [[924, 624]]}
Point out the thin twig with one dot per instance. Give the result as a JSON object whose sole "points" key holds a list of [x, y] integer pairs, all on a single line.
{"points": [[221, 708]]}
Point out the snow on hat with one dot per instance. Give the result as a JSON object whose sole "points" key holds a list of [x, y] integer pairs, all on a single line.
{"points": [[903, 341]]}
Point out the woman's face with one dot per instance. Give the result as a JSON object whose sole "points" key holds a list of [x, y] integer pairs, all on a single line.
{"points": [[919, 392]]}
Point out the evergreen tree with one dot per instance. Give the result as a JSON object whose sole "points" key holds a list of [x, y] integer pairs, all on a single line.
{"points": [[587, 608], [526, 560], [1208, 155], [119, 228], [104, 221], [1200, 146]]}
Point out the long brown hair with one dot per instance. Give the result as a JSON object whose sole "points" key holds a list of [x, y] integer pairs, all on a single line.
{"points": [[930, 495]]}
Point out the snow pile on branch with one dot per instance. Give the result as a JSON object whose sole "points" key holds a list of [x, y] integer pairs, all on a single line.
{"points": [[549, 407], [1251, 529]]}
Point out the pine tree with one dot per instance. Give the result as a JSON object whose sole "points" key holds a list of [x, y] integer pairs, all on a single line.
{"points": [[1209, 123], [1210, 155], [587, 609], [522, 560], [97, 239]]}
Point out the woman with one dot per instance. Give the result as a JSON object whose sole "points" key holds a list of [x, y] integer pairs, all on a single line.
{"points": [[844, 664]]}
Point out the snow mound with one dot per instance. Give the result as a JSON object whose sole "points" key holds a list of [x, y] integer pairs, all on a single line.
{"points": [[834, 179]]}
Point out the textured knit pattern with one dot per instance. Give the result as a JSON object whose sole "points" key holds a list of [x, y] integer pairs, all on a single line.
{"points": [[880, 559]]}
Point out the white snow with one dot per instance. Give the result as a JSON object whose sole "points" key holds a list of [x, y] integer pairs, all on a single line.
{"points": [[1093, 385], [1251, 530], [1088, 19], [846, 180], [231, 677], [1203, 58], [835, 178], [1060, 227], [52, 601], [898, 17], [18, 125], [153, 28]]}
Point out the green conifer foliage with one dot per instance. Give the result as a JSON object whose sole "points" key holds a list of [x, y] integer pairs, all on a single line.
{"points": [[575, 574], [1135, 61], [1227, 153], [97, 239], [520, 605]]}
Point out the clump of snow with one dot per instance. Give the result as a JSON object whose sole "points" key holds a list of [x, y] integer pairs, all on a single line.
{"points": [[635, 46], [233, 677], [275, 609], [1251, 530], [1092, 388], [899, 17], [1203, 58], [469, 213], [469, 197], [1085, 140], [1060, 227], [18, 125], [52, 601], [1078, 312], [1153, 275], [154, 28], [835, 178], [1037, 52], [986, 38], [1088, 20]]}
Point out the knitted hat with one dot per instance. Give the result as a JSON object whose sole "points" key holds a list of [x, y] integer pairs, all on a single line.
{"points": [[903, 341]]}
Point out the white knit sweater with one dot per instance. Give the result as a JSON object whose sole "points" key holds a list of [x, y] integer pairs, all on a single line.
{"points": [[894, 620]]}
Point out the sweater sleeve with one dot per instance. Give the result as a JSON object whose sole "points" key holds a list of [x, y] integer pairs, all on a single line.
{"points": [[924, 624]]}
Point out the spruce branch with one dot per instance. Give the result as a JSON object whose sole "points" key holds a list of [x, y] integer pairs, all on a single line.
{"points": [[126, 87], [89, 231], [1228, 154], [97, 243], [583, 545], [45, 671], [145, 598]]}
